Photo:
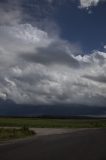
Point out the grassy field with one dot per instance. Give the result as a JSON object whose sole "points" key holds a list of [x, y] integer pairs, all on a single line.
{"points": [[7, 133], [53, 123]]}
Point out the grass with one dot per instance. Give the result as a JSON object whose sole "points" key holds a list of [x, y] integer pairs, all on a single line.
{"points": [[53, 123], [12, 133]]}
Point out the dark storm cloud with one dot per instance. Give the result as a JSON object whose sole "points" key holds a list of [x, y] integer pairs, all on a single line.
{"points": [[100, 78], [53, 54]]}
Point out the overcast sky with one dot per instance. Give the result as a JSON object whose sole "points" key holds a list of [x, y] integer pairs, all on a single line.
{"points": [[53, 52]]}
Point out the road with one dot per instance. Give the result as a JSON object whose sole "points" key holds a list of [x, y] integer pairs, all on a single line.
{"points": [[80, 145]]}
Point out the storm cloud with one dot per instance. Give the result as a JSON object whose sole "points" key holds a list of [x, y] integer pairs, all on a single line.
{"points": [[57, 52], [40, 68]]}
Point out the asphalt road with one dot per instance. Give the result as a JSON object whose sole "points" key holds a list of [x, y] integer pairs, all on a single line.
{"points": [[81, 145]]}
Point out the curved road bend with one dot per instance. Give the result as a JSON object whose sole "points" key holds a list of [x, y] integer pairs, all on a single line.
{"points": [[81, 145]]}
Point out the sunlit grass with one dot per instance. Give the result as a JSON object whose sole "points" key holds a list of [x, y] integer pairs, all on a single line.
{"points": [[53, 123], [13, 133]]}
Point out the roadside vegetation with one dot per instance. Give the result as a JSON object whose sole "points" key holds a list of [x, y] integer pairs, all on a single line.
{"points": [[13, 133], [53, 123]]}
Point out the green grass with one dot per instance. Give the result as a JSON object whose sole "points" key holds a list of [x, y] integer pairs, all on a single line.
{"points": [[12, 133], [53, 123]]}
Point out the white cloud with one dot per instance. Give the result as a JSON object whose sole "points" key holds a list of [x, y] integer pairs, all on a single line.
{"points": [[89, 3], [49, 72], [41, 68], [104, 46]]}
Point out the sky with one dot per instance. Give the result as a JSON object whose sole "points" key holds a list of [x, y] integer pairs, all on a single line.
{"points": [[53, 52]]}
